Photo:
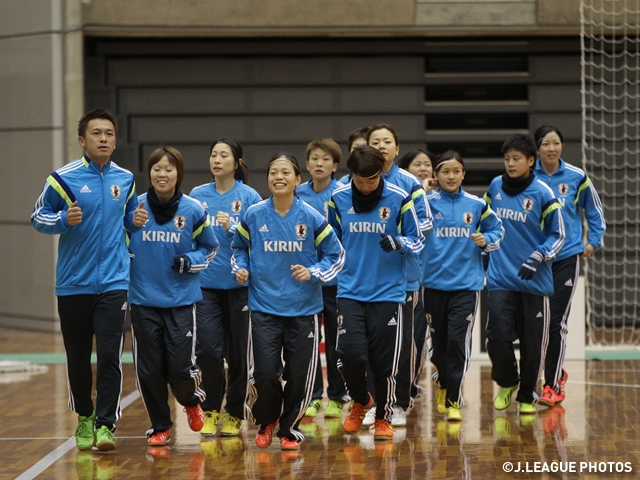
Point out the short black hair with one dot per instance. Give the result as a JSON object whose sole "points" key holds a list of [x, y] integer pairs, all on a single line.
{"points": [[356, 134], [365, 161], [522, 143], [101, 113]]}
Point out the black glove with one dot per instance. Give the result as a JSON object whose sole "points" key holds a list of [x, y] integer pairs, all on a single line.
{"points": [[530, 267], [389, 243], [181, 264]]}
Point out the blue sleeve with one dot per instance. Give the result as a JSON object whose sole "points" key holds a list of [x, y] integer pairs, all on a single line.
{"points": [[330, 253], [333, 218], [552, 224], [130, 207], [409, 229], [50, 211], [491, 228], [240, 247], [421, 205], [206, 244], [587, 198]]}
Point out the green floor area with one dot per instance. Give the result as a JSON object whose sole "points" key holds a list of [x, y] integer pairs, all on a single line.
{"points": [[127, 357], [612, 355], [52, 358]]}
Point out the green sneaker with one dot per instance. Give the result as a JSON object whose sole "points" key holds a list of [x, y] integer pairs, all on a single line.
{"points": [[210, 427], [334, 409], [441, 398], [105, 440], [527, 408], [84, 432], [230, 426], [503, 399], [314, 408]]}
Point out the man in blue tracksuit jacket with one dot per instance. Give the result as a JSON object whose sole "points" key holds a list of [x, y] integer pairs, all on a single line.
{"points": [[89, 203]]}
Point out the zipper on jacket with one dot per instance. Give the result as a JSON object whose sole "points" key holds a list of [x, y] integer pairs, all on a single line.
{"points": [[101, 230]]}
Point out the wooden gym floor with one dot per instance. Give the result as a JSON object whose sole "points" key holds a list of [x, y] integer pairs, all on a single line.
{"points": [[597, 426]]}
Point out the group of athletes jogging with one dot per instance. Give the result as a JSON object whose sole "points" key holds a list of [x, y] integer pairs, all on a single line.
{"points": [[392, 253]]}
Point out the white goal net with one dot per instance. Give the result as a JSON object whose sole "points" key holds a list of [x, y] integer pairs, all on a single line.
{"points": [[611, 157]]}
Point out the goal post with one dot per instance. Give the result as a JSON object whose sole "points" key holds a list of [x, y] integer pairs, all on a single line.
{"points": [[610, 64]]}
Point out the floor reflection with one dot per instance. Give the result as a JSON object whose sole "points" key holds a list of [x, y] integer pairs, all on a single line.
{"points": [[598, 422]]}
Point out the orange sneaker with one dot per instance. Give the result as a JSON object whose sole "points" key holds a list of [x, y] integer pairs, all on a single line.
{"points": [[287, 444], [383, 430], [159, 439], [265, 434], [195, 417], [548, 397], [353, 421], [561, 383]]}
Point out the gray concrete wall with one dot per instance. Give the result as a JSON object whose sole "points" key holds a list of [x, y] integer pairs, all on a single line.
{"points": [[32, 142], [308, 17]]}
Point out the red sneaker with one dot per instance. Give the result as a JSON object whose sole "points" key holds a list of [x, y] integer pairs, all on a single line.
{"points": [[195, 417], [263, 438], [159, 439], [287, 444], [549, 396], [353, 421], [561, 383]]}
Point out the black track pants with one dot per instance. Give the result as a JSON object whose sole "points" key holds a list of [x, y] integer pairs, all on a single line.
{"points": [[82, 317], [164, 349], [372, 330]]}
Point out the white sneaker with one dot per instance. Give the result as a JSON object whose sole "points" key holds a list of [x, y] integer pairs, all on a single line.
{"points": [[369, 417], [399, 418]]}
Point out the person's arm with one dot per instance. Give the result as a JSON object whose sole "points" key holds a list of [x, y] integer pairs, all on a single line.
{"points": [[240, 247], [334, 219], [421, 206], [206, 247], [331, 255], [552, 224], [491, 229], [52, 207], [587, 198], [134, 214], [408, 240]]}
